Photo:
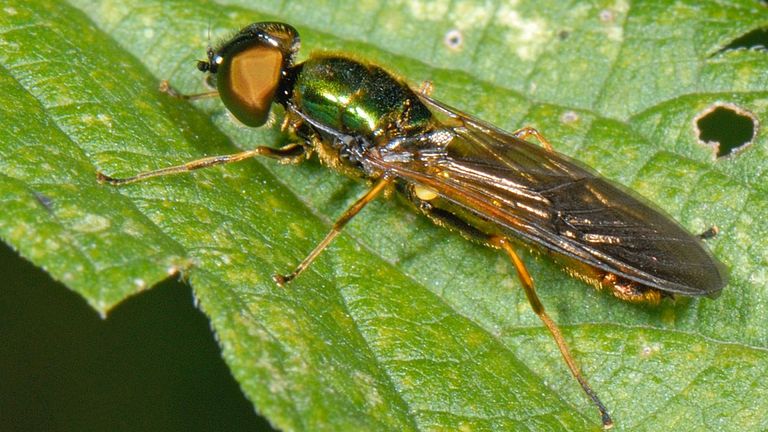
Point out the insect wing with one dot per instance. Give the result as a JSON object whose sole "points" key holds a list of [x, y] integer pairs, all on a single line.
{"points": [[557, 203]]}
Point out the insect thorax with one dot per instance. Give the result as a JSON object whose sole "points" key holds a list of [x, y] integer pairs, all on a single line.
{"points": [[357, 99]]}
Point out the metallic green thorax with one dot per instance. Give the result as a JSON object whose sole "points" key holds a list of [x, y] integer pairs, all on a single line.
{"points": [[357, 99]]}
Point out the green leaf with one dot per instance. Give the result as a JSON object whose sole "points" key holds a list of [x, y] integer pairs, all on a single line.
{"points": [[400, 325]]}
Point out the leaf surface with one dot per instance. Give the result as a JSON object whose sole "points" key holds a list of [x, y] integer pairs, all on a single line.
{"points": [[400, 325]]}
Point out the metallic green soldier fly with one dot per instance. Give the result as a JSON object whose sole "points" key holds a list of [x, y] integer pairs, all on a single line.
{"points": [[492, 186]]}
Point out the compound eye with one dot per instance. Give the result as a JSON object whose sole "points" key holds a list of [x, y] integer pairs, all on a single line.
{"points": [[247, 81]]}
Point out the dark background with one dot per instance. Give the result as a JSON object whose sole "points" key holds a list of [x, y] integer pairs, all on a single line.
{"points": [[152, 365]]}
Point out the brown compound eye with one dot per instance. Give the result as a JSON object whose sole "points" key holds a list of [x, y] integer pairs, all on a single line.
{"points": [[249, 69], [247, 81]]}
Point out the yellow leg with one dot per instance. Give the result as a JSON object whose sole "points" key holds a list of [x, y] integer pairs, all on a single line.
{"points": [[291, 151], [527, 281], [165, 87], [379, 186], [525, 132], [426, 88]]}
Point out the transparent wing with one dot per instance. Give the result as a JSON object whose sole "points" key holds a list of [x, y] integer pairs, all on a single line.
{"points": [[553, 201]]}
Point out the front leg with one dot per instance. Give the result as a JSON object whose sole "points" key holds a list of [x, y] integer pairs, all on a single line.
{"points": [[288, 153]]}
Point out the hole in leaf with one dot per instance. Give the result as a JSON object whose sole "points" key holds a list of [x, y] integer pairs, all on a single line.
{"points": [[726, 128], [756, 39]]}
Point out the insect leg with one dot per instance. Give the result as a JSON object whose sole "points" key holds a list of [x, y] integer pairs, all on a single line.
{"points": [[525, 132], [379, 186], [288, 152], [538, 308], [426, 88], [166, 88]]}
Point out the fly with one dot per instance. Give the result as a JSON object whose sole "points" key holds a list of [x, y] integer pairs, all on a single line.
{"points": [[492, 186]]}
